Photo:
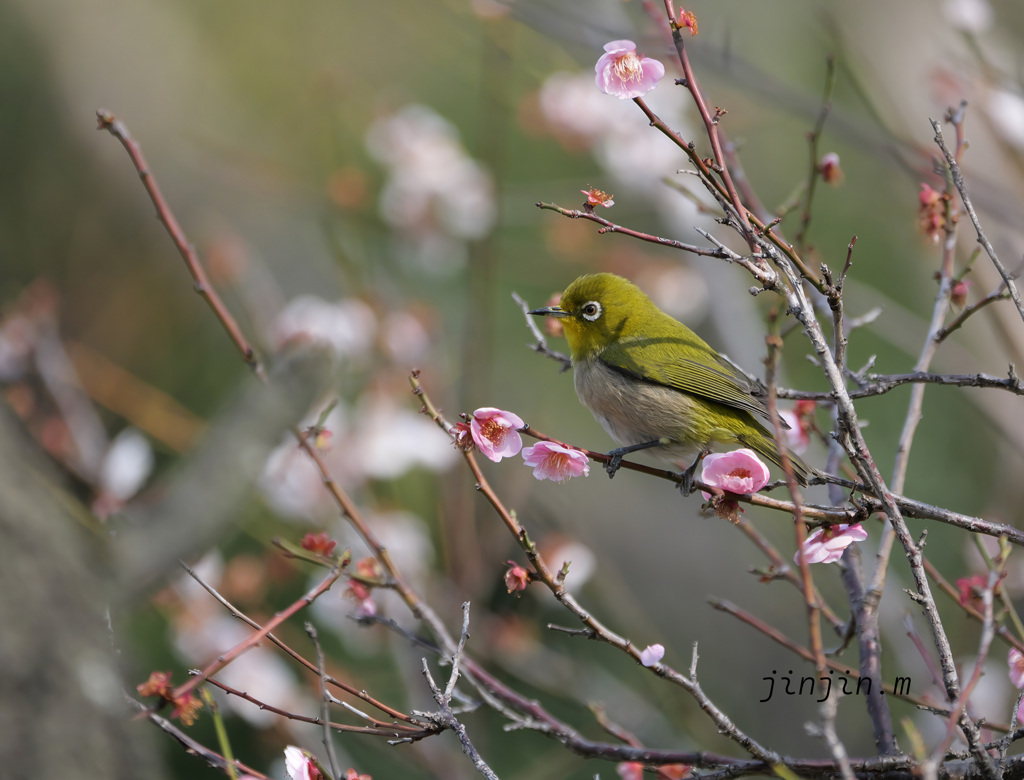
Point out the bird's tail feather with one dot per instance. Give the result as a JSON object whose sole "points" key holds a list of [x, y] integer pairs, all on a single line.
{"points": [[765, 445]]}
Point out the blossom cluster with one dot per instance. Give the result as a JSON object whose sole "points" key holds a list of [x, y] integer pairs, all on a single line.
{"points": [[186, 706], [496, 434]]}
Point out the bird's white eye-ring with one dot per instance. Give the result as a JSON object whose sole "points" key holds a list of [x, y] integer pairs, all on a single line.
{"points": [[591, 310]]}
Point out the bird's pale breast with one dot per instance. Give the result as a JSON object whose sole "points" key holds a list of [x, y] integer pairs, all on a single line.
{"points": [[635, 412]]}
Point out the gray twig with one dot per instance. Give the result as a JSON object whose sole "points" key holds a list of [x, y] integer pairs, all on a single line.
{"points": [[444, 717], [325, 701], [540, 343], [827, 732], [958, 182]]}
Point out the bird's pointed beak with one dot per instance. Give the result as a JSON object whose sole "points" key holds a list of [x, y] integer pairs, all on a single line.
{"points": [[550, 311]]}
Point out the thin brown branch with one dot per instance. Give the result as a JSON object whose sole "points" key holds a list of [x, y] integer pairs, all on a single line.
{"points": [[420, 610], [711, 128], [1005, 634], [960, 706], [961, 186], [850, 436], [909, 506], [783, 569], [777, 636], [341, 685], [390, 731], [607, 226], [251, 641], [774, 344], [812, 142], [880, 384], [325, 700], [540, 343], [957, 322], [192, 746], [445, 717], [203, 286]]}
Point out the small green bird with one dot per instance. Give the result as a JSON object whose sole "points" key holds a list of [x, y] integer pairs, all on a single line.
{"points": [[652, 382]]}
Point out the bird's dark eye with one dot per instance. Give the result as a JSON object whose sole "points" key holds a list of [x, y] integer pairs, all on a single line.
{"points": [[591, 310]]}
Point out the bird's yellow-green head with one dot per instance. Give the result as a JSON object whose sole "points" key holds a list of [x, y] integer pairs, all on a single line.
{"points": [[597, 310]]}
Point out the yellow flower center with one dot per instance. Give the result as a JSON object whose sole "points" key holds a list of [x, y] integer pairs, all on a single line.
{"points": [[493, 431], [628, 67], [558, 462]]}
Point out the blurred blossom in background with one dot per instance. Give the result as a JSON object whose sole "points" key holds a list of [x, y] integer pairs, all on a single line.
{"points": [[436, 196]]}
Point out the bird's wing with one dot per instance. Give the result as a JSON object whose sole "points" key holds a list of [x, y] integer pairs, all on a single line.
{"points": [[704, 374]]}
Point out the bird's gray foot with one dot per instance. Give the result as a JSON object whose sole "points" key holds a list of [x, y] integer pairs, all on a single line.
{"points": [[616, 455], [686, 483]]}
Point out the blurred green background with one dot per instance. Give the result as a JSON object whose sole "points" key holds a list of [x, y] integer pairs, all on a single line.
{"points": [[282, 136]]}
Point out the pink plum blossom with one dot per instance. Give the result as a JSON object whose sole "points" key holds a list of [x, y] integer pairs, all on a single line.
{"points": [[969, 588], [495, 432], [958, 292], [739, 471], [652, 654], [931, 213], [826, 545], [319, 543], [299, 765], [516, 578], [829, 168], [367, 609], [625, 74], [1016, 667], [596, 197], [687, 21], [462, 436], [555, 462]]}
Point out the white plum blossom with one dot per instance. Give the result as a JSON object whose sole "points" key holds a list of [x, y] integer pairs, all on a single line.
{"points": [[126, 465], [390, 439], [1006, 111], [971, 16]]}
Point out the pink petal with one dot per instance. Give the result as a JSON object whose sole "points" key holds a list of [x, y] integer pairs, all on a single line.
{"points": [[652, 654], [495, 434], [500, 415], [817, 549], [609, 75], [1016, 668], [620, 46], [739, 471], [555, 462], [298, 765], [796, 439]]}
